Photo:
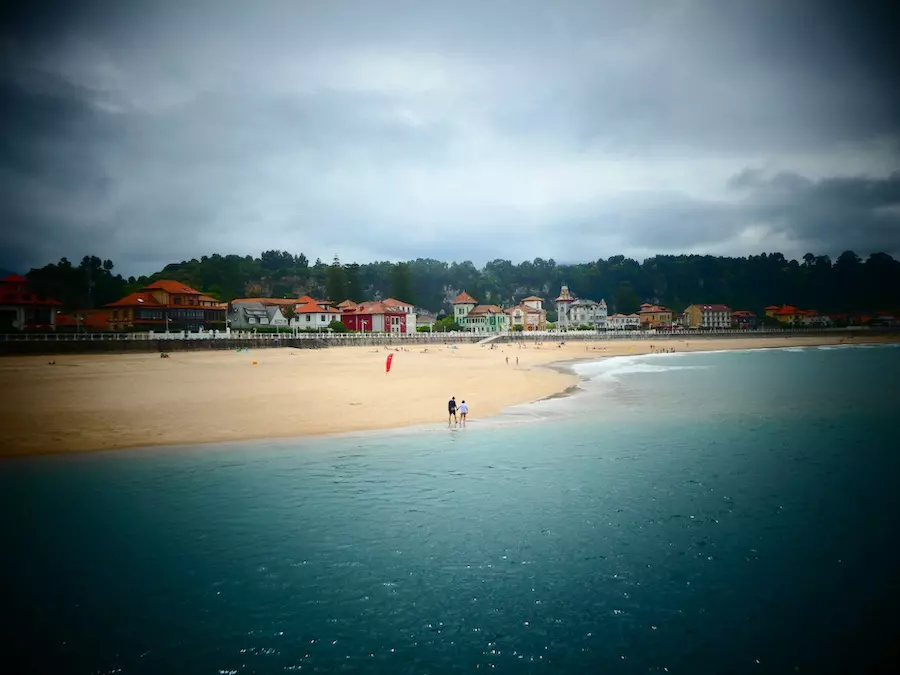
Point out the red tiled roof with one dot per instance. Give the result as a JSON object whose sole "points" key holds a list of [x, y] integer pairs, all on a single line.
{"points": [[743, 313], [17, 292], [169, 286], [87, 320], [138, 299], [379, 307], [393, 302], [464, 299], [771, 307], [314, 308]]}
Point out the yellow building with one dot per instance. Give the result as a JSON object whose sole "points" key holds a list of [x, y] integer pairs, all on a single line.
{"points": [[654, 316], [707, 316]]}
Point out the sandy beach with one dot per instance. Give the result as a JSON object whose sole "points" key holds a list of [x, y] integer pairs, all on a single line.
{"points": [[101, 402]]}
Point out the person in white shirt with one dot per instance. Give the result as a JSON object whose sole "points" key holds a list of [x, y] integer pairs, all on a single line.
{"points": [[463, 411]]}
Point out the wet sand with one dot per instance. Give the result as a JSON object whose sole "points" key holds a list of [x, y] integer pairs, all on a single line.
{"points": [[101, 402]]}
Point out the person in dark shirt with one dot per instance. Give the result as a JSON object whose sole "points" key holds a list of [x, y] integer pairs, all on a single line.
{"points": [[451, 409]]}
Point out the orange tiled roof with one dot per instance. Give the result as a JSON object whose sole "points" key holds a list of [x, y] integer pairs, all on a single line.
{"points": [[393, 302], [347, 304], [138, 299], [170, 286], [273, 301], [314, 308], [16, 292], [377, 307], [207, 298], [464, 299], [532, 298]]}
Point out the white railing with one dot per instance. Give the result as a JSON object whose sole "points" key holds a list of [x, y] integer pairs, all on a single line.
{"points": [[416, 337]]}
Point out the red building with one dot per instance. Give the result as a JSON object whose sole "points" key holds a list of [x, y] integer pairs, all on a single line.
{"points": [[743, 318], [22, 309], [166, 304], [389, 316]]}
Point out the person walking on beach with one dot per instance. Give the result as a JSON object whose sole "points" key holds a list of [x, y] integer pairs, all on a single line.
{"points": [[451, 409], [463, 411]]}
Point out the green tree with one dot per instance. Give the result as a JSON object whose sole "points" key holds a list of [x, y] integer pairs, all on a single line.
{"points": [[354, 285], [446, 324], [401, 283], [336, 282], [627, 300]]}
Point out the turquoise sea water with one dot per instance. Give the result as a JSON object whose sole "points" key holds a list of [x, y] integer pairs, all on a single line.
{"points": [[700, 513]]}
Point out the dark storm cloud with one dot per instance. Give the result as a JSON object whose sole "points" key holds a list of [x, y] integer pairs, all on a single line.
{"points": [[153, 132], [832, 214]]}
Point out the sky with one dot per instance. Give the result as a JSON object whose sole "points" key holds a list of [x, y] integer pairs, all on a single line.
{"points": [[150, 133]]}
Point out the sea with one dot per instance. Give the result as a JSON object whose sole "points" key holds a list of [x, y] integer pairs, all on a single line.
{"points": [[731, 512]]}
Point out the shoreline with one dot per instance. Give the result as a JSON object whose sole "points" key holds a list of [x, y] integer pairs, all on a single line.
{"points": [[134, 402]]}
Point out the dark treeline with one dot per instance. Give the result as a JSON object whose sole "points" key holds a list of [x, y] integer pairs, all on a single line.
{"points": [[848, 284]]}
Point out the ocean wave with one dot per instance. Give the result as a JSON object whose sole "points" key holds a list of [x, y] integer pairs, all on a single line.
{"points": [[613, 368]]}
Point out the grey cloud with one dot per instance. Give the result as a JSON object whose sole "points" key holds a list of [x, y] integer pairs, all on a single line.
{"points": [[835, 213], [152, 132]]}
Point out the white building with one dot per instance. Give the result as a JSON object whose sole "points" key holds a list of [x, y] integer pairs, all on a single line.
{"points": [[623, 322], [573, 312], [313, 315], [253, 314]]}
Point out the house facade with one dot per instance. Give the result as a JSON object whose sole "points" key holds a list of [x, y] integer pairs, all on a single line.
{"points": [[743, 318], [529, 315], [249, 314], [314, 315], [623, 322], [707, 316], [424, 318], [471, 316], [165, 305], [655, 316], [23, 309], [573, 312], [380, 317]]}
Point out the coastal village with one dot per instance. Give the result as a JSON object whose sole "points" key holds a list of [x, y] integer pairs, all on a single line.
{"points": [[165, 305]]}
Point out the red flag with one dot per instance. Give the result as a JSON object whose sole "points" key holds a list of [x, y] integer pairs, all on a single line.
{"points": [[387, 366]]}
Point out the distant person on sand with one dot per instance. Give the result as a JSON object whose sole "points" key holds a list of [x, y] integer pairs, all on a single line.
{"points": [[451, 409], [463, 411]]}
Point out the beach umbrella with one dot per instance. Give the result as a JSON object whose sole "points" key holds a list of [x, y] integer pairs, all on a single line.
{"points": [[387, 365]]}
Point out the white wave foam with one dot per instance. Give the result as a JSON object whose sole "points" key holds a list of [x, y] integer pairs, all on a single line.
{"points": [[613, 368]]}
